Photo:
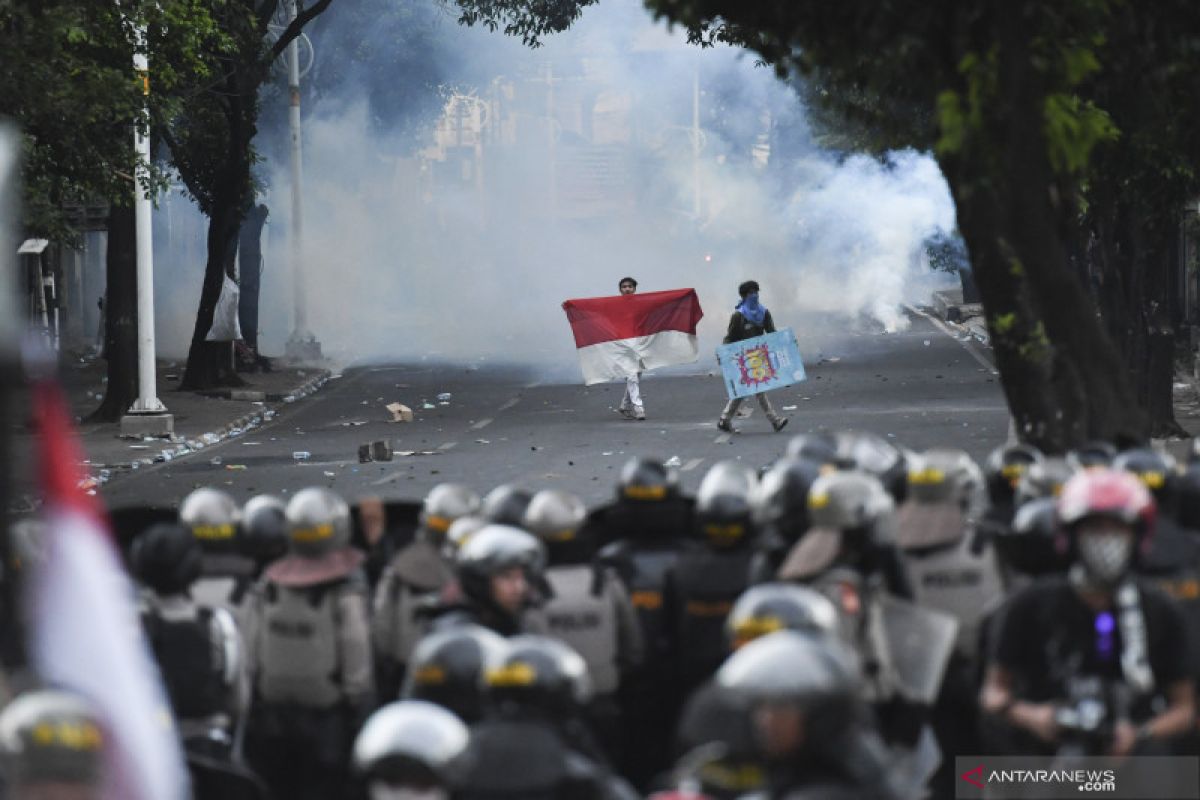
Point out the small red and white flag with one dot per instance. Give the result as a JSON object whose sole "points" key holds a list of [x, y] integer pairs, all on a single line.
{"points": [[618, 337], [83, 626]]}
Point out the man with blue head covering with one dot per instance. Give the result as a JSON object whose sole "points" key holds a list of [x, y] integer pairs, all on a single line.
{"points": [[750, 318]]}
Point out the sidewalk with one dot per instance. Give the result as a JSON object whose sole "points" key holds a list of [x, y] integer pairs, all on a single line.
{"points": [[201, 420]]}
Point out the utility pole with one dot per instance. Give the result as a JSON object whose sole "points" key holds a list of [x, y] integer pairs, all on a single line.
{"points": [[302, 346], [147, 416]]}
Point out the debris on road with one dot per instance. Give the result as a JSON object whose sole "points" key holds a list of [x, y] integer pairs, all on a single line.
{"points": [[354, 423], [301, 455], [379, 450], [790, 408], [329, 474], [444, 397], [236, 467], [428, 405], [400, 412], [482, 441], [673, 461]]}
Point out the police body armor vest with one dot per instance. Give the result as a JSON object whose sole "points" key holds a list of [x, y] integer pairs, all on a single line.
{"points": [[299, 661], [965, 585], [190, 661], [1174, 562], [707, 583], [524, 760], [583, 615], [409, 584], [645, 571]]}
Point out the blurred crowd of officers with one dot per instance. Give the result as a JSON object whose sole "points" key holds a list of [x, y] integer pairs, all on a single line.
{"points": [[838, 624]]}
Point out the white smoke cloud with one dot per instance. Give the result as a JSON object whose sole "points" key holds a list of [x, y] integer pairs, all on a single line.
{"points": [[399, 266]]}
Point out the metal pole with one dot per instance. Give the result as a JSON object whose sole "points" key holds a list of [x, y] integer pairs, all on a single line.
{"points": [[147, 401], [302, 345]]}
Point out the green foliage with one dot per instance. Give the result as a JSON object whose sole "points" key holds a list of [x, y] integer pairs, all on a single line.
{"points": [[531, 20], [1074, 127], [71, 89]]}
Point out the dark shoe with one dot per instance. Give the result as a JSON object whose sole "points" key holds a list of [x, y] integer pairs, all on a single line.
{"points": [[725, 425], [779, 424]]}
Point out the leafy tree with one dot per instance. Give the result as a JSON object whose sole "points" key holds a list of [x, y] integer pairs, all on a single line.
{"points": [[211, 145], [1043, 117]]}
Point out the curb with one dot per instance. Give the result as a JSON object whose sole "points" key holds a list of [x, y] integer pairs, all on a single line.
{"points": [[100, 474]]}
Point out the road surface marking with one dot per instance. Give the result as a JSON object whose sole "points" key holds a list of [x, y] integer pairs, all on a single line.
{"points": [[509, 404], [483, 423], [447, 446], [691, 465], [722, 439], [386, 479]]}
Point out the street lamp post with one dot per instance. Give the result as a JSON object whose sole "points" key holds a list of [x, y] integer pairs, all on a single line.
{"points": [[302, 345], [147, 416]]}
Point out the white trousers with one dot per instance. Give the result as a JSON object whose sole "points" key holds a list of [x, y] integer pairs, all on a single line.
{"points": [[633, 392]]}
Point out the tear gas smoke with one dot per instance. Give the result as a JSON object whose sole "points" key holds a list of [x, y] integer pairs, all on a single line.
{"points": [[576, 164]]}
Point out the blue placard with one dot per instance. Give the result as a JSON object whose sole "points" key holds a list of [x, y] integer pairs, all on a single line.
{"points": [[766, 362]]}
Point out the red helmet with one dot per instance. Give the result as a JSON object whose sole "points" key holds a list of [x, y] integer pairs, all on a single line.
{"points": [[1107, 493]]}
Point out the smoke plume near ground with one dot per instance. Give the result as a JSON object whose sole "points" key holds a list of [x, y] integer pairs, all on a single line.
{"points": [[402, 266]]}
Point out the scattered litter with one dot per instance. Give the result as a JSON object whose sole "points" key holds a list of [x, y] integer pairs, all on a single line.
{"points": [[790, 408], [139, 447], [533, 447], [209, 438], [379, 450], [301, 455], [215, 461], [236, 467], [444, 403], [329, 474], [354, 423], [251, 444], [428, 405], [444, 397], [673, 461], [926, 343], [607, 453], [400, 412], [364, 402], [482, 441], [418, 453], [167, 455]]}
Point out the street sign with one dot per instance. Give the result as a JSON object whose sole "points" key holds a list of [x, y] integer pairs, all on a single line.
{"points": [[766, 362]]}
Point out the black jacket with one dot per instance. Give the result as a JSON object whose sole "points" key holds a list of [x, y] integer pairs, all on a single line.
{"points": [[741, 328]]}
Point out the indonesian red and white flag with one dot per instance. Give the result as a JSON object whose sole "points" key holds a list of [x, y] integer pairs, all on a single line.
{"points": [[83, 626], [618, 337]]}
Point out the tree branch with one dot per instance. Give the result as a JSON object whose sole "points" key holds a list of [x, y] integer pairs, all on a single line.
{"points": [[297, 25]]}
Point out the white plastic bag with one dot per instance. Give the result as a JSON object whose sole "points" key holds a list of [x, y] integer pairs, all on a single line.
{"points": [[225, 327]]}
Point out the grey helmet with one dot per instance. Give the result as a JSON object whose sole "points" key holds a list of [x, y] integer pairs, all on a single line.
{"points": [[646, 480], [51, 736], [493, 549], [264, 527], [723, 503], [460, 531], [871, 453], [846, 501], [411, 743], [444, 504], [945, 476], [449, 667], [318, 522], [781, 500], [540, 672], [166, 558], [771, 607], [819, 447], [212, 517], [554, 515], [506, 504], [1043, 478]]}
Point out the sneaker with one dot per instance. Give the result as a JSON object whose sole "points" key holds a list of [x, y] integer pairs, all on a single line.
{"points": [[639, 414], [725, 425], [779, 424], [627, 413]]}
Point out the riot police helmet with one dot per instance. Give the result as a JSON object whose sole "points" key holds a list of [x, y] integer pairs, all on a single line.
{"points": [[448, 667], [505, 504], [646, 480], [51, 736], [495, 549], [460, 531], [410, 744], [555, 516], [1029, 545], [780, 503], [445, 503], [1089, 455], [212, 517], [848, 501], [318, 522], [264, 528], [945, 476], [821, 448], [537, 672], [874, 455], [723, 503], [1044, 478], [166, 558], [1004, 468], [1155, 469], [771, 607]]}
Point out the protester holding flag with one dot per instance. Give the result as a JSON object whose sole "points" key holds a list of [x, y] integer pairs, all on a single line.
{"points": [[749, 319], [620, 337]]}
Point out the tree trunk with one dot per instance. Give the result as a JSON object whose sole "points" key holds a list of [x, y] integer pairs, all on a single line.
{"points": [[210, 364], [1063, 377], [120, 317]]}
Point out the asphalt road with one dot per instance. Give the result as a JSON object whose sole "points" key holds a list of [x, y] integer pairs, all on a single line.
{"points": [[920, 388]]}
